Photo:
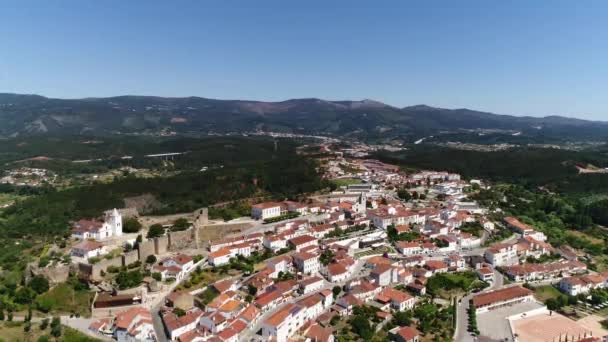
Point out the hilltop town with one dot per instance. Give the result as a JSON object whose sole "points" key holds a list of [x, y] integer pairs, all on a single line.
{"points": [[386, 255]]}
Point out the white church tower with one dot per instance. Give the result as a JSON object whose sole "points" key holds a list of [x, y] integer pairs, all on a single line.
{"points": [[114, 220], [361, 206]]}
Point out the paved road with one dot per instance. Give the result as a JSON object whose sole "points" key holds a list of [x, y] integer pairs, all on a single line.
{"points": [[461, 334], [155, 304]]}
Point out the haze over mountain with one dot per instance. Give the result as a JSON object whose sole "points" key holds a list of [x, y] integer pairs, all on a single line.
{"points": [[365, 119]]}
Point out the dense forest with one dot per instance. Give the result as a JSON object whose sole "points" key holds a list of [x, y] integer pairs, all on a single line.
{"points": [[237, 168], [531, 167], [243, 168]]}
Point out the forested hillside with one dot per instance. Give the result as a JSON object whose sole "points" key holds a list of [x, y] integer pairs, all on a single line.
{"points": [[552, 168], [364, 120]]}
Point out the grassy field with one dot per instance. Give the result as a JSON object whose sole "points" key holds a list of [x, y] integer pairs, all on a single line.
{"points": [[8, 198], [542, 293], [71, 335], [14, 332], [345, 181], [201, 280], [63, 299]]}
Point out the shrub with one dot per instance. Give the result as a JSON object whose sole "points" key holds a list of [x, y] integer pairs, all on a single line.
{"points": [[131, 225], [151, 259], [155, 230], [39, 284]]}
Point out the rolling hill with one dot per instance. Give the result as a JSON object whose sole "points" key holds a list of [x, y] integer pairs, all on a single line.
{"points": [[366, 119]]}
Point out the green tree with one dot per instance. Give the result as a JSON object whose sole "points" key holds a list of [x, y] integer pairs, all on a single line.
{"points": [[402, 318], [39, 284], [326, 257], [131, 225], [24, 295], [56, 327], [360, 325], [129, 279], [151, 259], [179, 312], [155, 230], [252, 290], [336, 291], [404, 195], [157, 276], [180, 224]]}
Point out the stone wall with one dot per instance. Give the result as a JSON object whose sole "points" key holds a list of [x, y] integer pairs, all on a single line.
{"points": [[145, 249], [201, 217], [161, 245], [217, 231], [85, 269], [130, 257], [181, 240], [103, 265], [55, 273]]}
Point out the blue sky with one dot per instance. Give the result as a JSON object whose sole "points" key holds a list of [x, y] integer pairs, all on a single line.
{"points": [[513, 57]]}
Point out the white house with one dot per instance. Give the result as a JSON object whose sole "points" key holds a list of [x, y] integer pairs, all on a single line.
{"points": [[467, 240], [307, 263], [408, 248], [185, 262], [174, 267], [284, 323], [93, 229], [219, 257], [383, 275], [337, 273], [583, 284], [311, 284], [398, 300], [302, 242], [178, 325], [275, 242], [89, 249], [262, 211], [502, 254], [134, 324]]}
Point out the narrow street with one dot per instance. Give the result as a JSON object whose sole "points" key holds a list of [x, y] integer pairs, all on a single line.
{"points": [[462, 320]]}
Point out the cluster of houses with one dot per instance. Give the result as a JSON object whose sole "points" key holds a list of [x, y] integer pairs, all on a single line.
{"points": [[174, 267], [133, 324], [290, 297], [268, 210], [92, 232]]}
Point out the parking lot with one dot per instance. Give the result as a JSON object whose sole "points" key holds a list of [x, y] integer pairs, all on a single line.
{"points": [[494, 323]]}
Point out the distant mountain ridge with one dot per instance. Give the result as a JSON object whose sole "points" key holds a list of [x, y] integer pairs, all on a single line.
{"points": [[365, 119]]}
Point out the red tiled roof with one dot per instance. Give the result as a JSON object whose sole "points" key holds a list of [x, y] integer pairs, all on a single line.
{"points": [[173, 322], [268, 297], [395, 295], [250, 313], [266, 205], [88, 245], [318, 334], [335, 269], [408, 333], [501, 295], [279, 317], [435, 265], [300, 240], [85, 225], [304, 256], [382, 268]]}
